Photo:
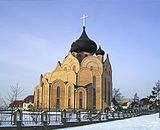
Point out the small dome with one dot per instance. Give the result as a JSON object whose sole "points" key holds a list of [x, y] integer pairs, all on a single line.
{"points": [[100, 51], [84, 44]]}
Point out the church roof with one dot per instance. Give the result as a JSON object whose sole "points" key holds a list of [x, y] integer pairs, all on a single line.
{"points": [[16, 103], [84, 44], [29, 99]]}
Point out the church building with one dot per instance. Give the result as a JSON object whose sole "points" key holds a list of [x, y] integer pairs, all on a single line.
{"points": [[82, 81]]}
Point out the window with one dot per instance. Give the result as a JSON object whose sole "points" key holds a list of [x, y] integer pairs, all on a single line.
{"points": [[91, 68], [69, 97], [58, 103], [38, 98], [58, 92], [69, 103], [80, 100], [74, 68], [69, 91], [94, 92], [65, 68], [58, 98]]}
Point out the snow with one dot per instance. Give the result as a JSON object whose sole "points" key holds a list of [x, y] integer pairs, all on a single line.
{"points": [[146, 122]]}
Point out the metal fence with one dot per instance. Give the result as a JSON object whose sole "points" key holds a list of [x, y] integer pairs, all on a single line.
{"points": [[31, 118], [6, 118], [21, 119]]}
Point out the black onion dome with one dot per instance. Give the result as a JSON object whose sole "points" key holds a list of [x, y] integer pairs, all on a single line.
{"points": [[73, 47], [100, 51], [84, 44]]}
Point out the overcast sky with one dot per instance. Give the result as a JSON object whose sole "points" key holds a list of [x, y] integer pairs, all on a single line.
{"points": [[35, 34]]}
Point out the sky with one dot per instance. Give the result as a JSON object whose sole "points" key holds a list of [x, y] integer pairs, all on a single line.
{"points": [[36, 34]]}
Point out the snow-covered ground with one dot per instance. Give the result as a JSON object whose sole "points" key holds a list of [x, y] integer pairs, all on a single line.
{"points": [[147, 122]]}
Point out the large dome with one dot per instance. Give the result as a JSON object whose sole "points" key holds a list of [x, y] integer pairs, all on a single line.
{"points": [[84, 44]]}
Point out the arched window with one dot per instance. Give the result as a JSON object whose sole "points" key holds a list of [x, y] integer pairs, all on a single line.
{"points": [[69, 103], [58, 98], [91, 67], [74, 68], [69, 91], [69, 97], [94, 92], [58, 92], [80, 100], [65, 68]]}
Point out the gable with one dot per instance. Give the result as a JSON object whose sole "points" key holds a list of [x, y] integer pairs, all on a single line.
{"points": [[70, 63], [92, 62]]}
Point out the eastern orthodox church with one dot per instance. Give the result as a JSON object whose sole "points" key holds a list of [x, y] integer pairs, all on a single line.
{"points": [[82, 81]]}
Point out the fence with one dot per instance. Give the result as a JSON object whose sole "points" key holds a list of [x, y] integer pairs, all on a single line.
{"points": [[22, 119]]}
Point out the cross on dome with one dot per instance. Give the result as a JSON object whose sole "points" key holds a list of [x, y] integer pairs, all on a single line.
{"points": [[84, 20]]}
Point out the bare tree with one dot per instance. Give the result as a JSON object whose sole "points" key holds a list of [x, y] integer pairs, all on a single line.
{"points": [[3, 104], [14, 93], [117, 94]]}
